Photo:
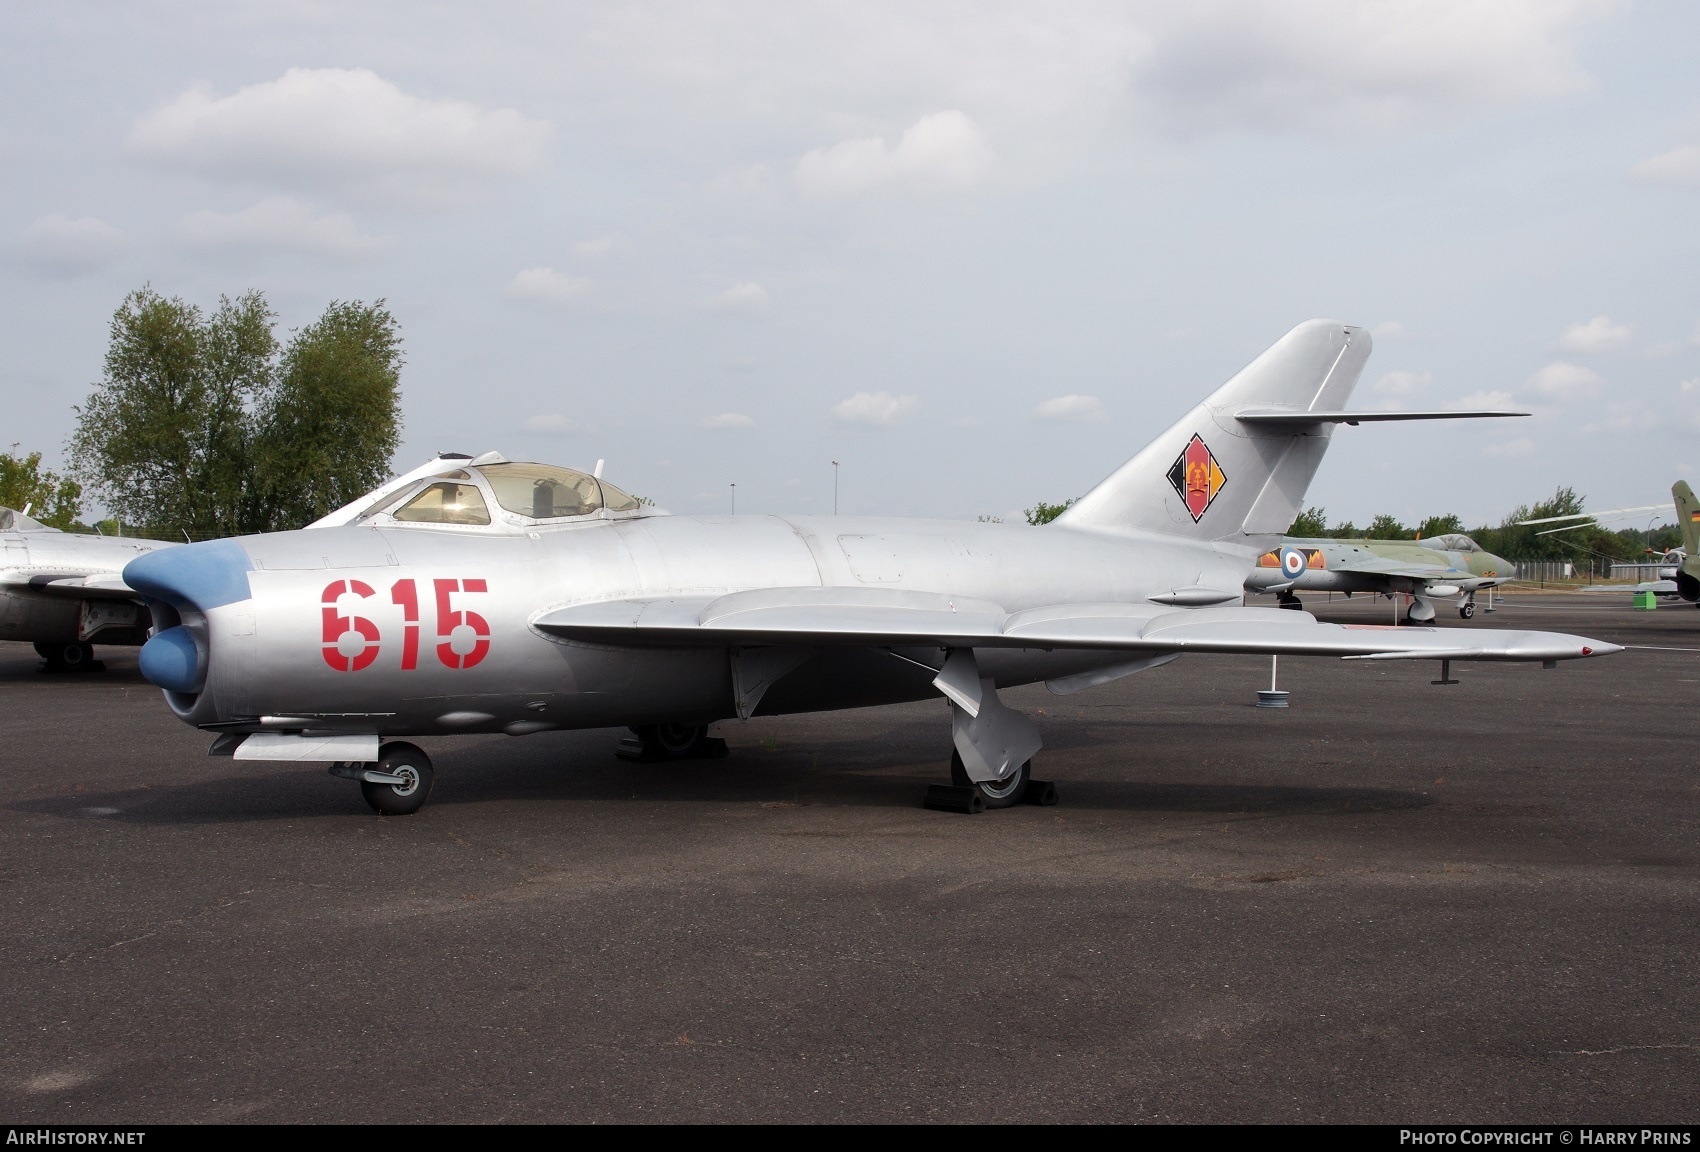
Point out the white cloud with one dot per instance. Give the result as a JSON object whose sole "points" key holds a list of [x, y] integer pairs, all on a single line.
{"points": [[545, 286], [945, 149], [1692, 385], [1484, 401], [880, 409], [1340, 66], [1596, 335], [1510, 449], [1561, 383], [280, 224], [1680, 167], [1632, 415], [347, 130], [1403, 383], [1087, 409], [59, 245], [1389, 330], [745, 296], [728, 420], [554, 424], [597, 247]]}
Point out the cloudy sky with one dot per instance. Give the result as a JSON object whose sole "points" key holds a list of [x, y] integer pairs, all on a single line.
{"points": [[977, 253]]}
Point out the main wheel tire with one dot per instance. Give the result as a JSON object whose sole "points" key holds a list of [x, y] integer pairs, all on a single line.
{"points": [[1292, 602], [674, 741], [1004, 793], [1466, 610], [65, 657], [406, 760]]}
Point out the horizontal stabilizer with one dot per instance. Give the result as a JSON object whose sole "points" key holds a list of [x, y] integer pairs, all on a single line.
{"points": [[871, 618], [1292, 418]]}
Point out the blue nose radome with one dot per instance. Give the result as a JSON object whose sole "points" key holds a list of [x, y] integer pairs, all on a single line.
{"points": [[172, 661]]}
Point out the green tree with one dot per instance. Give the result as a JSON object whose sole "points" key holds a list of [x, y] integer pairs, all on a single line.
{"points": [[162, 439], [1309, 524], [1439, 526], [1517, 541], [324, 434], [199, 427], [1385, 527], [24, 483], [1043, 513]]}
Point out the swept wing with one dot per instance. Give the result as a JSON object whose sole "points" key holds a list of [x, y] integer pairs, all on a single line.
{"points": [[872, 618]]}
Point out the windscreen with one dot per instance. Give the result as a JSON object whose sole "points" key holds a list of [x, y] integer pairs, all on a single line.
{"points": [[446, 504]]}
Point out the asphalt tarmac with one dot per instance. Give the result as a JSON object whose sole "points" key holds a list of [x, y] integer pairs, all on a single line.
{"points": [[1393, 902]]}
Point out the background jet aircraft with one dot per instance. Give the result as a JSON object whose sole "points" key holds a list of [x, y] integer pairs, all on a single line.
{"points": [[1686, 560], [62, 590], [491, 596], [1677, 574], [1442, 566]]}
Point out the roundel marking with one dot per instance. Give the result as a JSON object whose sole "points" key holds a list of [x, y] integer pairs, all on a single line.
{"points": [[1293, 563]]}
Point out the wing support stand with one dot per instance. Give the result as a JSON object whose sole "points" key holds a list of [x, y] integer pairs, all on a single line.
{"points": [[994, 744], [1445, 674]]}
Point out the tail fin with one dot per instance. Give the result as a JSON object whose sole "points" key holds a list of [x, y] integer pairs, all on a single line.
{"points": [[1687, 516], [1214, 477]]}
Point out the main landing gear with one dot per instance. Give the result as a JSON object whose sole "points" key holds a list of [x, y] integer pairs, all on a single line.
{"points": [[650, 742], [1288, 600], [397, 784], [992, 763], [1468, 608], [68, 657]]}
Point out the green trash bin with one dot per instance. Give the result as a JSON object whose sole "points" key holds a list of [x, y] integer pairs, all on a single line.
{"points": [[1646, 601]]}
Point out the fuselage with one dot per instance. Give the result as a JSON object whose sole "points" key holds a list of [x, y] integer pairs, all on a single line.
{"points": [[1351, 566], [424, 628], [29, 559]]}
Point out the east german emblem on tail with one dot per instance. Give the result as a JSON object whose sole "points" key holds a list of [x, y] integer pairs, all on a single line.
{"points": [[1197, 478]]}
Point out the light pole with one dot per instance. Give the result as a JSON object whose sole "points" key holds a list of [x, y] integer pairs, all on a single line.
{"points": [[835, 487], [734, 497]]}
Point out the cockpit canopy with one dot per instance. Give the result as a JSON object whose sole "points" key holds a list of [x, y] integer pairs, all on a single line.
{"points": [[12, 520], [476, 495], [1452, 542]]}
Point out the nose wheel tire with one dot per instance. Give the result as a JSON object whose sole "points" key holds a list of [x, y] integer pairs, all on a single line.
{"points": [[1005, 793], [413, 766], [1466, 610]]}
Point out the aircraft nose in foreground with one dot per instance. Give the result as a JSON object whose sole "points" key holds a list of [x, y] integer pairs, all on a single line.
{"points": [[183, 586]]}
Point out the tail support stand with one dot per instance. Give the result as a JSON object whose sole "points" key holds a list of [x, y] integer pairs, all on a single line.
{"points": [[1445, 674], [1272, 697]]}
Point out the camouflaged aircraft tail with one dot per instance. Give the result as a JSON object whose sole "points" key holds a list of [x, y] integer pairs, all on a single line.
{"points": [[1214, 477], [1687, 517]]}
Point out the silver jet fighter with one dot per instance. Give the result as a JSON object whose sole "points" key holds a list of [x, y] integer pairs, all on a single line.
{"points": [[1447, 567], [482, 595], [62, 591]]}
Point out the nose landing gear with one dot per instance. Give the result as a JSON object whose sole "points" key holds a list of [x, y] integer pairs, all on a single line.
{"points": [[397, 784]]}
